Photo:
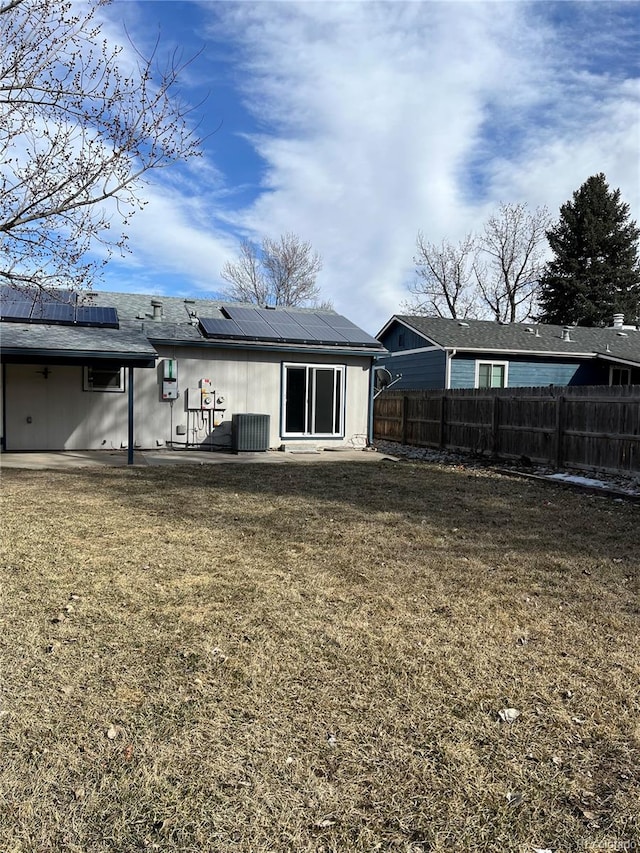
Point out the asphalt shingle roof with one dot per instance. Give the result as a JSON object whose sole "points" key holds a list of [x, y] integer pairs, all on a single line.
{"points": [[489, 336], [126, 343], [171, 320]]}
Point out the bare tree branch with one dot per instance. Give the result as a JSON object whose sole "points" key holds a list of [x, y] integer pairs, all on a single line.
{"points": [[79, 130], [444, 284], [510, 261], [496, 273], [282, 272]]}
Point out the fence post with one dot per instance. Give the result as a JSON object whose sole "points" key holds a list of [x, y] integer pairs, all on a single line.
{"points": [[559, 426], [495, 426], [443, 420], [405, 418]]}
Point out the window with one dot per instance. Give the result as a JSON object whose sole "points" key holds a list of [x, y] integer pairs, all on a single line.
{"points": [[313, 400], [619, 376], [491, 374], [103, 379]]}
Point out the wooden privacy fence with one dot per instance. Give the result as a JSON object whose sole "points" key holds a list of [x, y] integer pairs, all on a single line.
{"points": [[594, 428]]}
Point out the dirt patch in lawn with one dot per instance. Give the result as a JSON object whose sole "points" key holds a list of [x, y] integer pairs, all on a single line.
{"points": [[397, 656]]}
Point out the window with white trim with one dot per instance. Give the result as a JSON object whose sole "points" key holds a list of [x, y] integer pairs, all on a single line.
{"points": [[619, 375], [313, 400], [103, 379], [492, 374]]}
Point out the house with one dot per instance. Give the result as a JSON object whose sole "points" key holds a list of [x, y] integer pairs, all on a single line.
{"points": [[436, 352], [103, 370]]}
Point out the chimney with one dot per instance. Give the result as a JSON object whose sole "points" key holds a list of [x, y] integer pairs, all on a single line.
{"points": [[566, 333], [157, 309], [618, 321]]}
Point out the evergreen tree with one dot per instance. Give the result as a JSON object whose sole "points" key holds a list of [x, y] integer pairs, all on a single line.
{"points": [[595, 271]]}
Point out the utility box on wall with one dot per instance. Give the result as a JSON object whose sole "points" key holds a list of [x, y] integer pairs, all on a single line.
{"points": [[250, 432], [170, 379]]}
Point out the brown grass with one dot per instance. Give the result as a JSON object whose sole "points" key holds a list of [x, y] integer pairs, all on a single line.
{"points": [[313, 658]]}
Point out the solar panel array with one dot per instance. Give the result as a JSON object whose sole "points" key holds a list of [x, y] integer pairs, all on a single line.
{"points": [[62, 309], [283, 326]]}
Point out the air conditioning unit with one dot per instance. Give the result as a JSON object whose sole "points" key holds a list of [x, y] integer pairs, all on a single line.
{"points": [[250, 432]]}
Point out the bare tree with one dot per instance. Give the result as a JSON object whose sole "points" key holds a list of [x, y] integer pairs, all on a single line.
{"points": [[79, 129], [445, 285], [510, 261], [281, 272]]}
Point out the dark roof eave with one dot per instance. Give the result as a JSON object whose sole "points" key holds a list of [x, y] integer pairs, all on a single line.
{"points": [[20, 355], [516, 351], [226, 343]]}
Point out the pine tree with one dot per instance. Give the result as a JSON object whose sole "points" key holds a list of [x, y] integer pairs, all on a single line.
{"points": [[595, 271]]}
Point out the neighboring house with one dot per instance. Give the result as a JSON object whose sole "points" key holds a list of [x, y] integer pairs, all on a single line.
{"points": [[94, 369], [435, 352]]}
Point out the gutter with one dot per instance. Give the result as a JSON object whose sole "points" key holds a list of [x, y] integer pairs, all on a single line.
{"points": [[20, 355], [371, 352]]}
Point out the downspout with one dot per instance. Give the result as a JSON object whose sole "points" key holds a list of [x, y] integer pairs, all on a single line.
{"points": [[372, 376], [447, 379], [130, 437], [4, 406]]}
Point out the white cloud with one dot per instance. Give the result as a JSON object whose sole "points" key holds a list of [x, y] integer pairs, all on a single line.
{"points": [[376, 110], [376, 119], [172, 238]]}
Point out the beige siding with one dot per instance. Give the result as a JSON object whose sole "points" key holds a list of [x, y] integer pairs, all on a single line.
{"points": [[65, 417]]}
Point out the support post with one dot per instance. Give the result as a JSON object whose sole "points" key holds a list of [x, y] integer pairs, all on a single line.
{"points": [[130, 437], [405, 419], [443, 421], [495, 426], [558, 431]]}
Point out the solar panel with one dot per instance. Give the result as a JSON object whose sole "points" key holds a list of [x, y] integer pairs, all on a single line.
{"points": [[354, 334], [9, 294], [239, 313], [258, 329], [318, 330], [215, 327], [312, 319], [16, 311], [67, 296], [286, 326], [53, 312], [97, 316]]}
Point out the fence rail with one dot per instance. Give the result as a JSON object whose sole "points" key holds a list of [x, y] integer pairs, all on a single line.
{"points": [[590, 428]]}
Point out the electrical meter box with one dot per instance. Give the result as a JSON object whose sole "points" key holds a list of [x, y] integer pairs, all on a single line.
{"points": [[194, 399], [170, 379], [208, 402]]}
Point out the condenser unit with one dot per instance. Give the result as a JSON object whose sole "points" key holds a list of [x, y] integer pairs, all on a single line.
{"points": [[250, 432]]}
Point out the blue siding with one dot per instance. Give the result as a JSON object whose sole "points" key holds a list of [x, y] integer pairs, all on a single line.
{"points": [[392, 339], [528, 372], [419, 370], [463, 372]]}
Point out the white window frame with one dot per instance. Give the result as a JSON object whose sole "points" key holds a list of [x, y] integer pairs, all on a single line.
{"points": [[89, 385], [340, 374], [626, 370], [492, 364]]}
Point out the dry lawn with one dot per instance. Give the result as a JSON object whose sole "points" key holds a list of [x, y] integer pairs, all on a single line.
{"points": [[314, 657]]}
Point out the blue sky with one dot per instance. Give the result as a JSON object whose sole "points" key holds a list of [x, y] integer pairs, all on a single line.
{"points": [[357, 124]]}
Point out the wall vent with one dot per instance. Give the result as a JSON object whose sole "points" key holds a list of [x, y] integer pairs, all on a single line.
{"points": [[250, 432]]}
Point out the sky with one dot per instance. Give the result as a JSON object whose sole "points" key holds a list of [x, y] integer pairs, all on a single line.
{"points": [[355, 125]]}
